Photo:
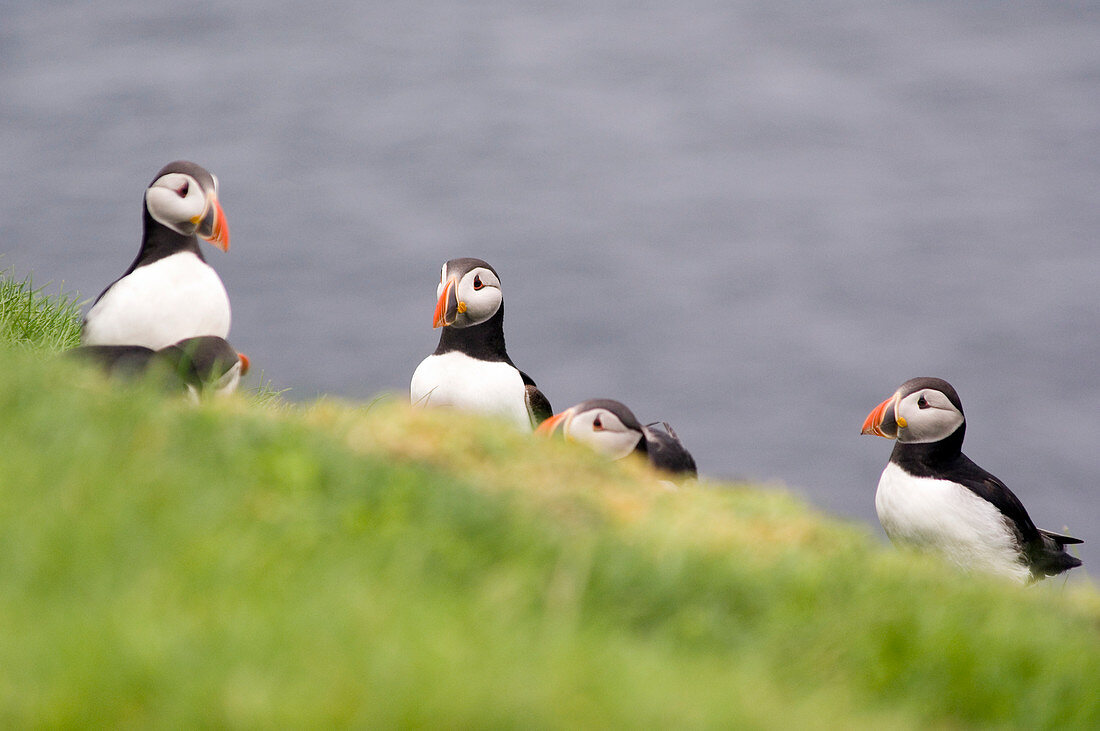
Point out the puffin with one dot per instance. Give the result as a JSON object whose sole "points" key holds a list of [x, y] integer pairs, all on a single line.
{"points": [[202, 365], [169, 293], [207, 364], [610, 428], [470, 369], [932, 496]]}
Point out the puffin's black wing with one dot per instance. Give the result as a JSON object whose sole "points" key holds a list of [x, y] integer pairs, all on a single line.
{"points": [[1044, 551], [989, 488], [667, 452], [538, 406]]}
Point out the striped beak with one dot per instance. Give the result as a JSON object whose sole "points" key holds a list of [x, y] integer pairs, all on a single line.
{"points": [[881, 421], [446, 309], [213, 227], [555, 423]]}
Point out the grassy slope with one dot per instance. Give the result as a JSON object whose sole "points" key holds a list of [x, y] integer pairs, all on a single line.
{"points": [[163, 564]]}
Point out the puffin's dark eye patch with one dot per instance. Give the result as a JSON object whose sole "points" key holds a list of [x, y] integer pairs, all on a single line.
{"points": [[922, 403], [478, 284], [597, 425], [182, 190]]}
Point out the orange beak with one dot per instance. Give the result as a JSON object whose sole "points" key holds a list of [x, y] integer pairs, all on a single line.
{"points": [[446, 309], [880, 421], [548, 427], [245, 364], [213, 227]]}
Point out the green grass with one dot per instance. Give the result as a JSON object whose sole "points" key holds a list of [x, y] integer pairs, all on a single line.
{"points": [[171, 565], [31, 319]]}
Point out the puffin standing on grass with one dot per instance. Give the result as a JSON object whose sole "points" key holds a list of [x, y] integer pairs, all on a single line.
{"points": [[932, 496], [169, 293], [611, 429], [471, 370]]}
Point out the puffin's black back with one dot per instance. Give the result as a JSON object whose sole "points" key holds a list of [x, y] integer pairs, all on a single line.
{"points": [[667, 452]]}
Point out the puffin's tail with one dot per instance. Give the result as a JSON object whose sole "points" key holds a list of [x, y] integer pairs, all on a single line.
{"points": [[1061, 540], [1050, 558]]}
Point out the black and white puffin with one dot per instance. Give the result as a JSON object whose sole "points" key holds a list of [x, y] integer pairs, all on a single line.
{"points": [[169, 293], [611, 429], [932, 496], [202, 365], [471, 370]]}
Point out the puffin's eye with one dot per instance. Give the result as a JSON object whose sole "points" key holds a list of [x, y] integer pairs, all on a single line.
{"points": [[478, 284], [922, 402], [597, 425], [182, 190]]}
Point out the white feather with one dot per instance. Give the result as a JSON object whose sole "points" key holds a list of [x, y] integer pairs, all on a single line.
{"points": [[946, 517], [458, 381], [613, 439], [159, 304]]}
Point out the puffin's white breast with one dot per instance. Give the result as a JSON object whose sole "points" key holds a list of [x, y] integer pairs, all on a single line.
{"points": [[159, 304], [461, 382], [944, 516]]}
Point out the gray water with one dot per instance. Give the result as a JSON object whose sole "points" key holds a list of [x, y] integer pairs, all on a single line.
{"points": [[751, 219]]}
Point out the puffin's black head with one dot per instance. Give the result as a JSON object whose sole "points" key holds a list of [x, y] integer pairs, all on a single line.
{"points": [[184, 198], [921, 411], [468, 294], [606, 426]]}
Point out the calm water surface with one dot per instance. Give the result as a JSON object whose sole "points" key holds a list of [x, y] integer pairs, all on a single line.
{"points": [[753, 220]]}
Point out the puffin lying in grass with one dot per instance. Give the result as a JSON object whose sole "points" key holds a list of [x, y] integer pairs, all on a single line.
{"points": [[198, 366], [611, 429]]}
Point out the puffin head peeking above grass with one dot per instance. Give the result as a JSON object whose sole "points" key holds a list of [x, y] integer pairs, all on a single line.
{"points": [[611, 429]]}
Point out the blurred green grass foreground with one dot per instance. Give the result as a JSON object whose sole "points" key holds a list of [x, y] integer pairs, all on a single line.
{"points": [[165, 564]]}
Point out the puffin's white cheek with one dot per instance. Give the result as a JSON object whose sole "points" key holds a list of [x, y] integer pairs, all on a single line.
{"points": [[930, 425], [617, 445], [611, 444], [167, 208], [481, 304]]}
